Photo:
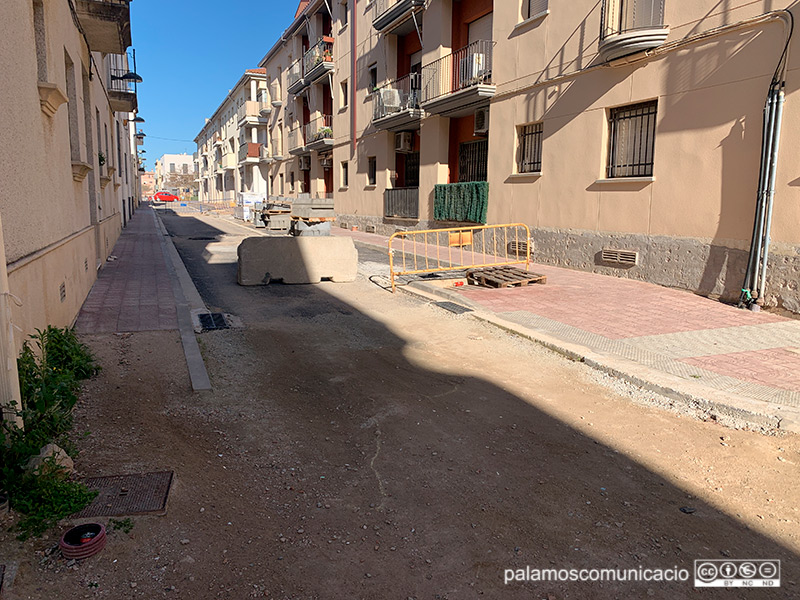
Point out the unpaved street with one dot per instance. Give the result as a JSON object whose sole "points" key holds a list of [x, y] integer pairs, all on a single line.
{"points": [[359, 444]]}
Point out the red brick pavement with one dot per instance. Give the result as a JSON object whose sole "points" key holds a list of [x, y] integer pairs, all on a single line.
{"points": [[776, 367], [133, 292]]}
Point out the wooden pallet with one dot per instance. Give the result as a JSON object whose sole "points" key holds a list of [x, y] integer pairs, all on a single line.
{"points": [[502, 277]]}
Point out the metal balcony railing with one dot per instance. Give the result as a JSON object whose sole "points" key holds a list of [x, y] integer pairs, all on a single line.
{"points": [[401, 203], [320, 52], [397, 96], [117, 67], [464, 68], [297, 137], [295, 73], [319, 129], [622, 16]]}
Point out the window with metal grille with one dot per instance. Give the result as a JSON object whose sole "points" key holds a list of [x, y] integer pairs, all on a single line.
{"points": [[632, 132], [372, 171], [535, 8], [530, 148], [473, 158], [412, 169]]}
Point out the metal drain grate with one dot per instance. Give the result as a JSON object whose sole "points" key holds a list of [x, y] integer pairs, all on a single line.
{"points": [[204, 238], [213, 321], [128, 494], [453, 307]]}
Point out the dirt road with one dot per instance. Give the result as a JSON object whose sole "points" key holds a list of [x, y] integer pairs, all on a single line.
{"points": [[359, 444]]}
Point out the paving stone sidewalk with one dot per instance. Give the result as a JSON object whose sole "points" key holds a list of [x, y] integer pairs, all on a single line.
{"points": [[133, 292], [738, 352]]}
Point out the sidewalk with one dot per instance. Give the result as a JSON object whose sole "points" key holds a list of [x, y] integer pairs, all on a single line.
{"points": [[674, 341], [133, 292]]}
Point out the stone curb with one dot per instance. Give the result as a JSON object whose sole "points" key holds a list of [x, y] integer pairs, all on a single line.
{"points": [[696, 399], [187, 299]]}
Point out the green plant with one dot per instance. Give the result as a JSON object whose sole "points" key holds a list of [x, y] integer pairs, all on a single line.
{"points": [[101, 158], [49, 376], [124, 525]]}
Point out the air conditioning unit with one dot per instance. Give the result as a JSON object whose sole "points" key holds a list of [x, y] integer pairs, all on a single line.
{"points": [[404, 142], [326, 162], [482, 121], [305, 163], [473, 68]]}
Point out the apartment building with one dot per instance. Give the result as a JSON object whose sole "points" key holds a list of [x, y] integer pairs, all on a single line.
{"points": [[68, 166], [169, 165], [238, 145], [627, 134]]}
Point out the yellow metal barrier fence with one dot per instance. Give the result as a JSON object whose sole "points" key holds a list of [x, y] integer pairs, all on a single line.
{"points": [[456, 248]]}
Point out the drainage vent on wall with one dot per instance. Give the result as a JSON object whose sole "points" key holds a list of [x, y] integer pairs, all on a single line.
{"points": [[62, 290], [624, 258], [369, 228], [518, 248]]}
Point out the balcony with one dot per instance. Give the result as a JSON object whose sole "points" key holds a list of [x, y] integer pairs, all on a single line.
{"points": [[265, 156], [395, 106], [106, 24], [250, 153], [401, 203], [457, 83], [297, 141], [319, 133], [295, 83], [277, 149], [318, 60], [228, 162], [392, 16], [121, 93], [631, 26], [253, 113]]}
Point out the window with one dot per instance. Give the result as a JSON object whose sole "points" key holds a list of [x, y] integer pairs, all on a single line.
{"points": [[631, 140], [283, 192], [473, 160], [185, 169], [372, 171], [344, 94], [534, 8], [171, 167], [41, 39], [343, 10], [345, 175], [291, 182], [373, 77], [529, 159]]}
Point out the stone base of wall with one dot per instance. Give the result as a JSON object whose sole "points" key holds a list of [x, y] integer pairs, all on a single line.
{"points": [[706, 267]]}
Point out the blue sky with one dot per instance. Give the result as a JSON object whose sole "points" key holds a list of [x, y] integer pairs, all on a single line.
{"points": [[189, 54]]}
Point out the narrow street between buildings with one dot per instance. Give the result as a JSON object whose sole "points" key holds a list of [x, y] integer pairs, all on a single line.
{"points": [[358, 444]]}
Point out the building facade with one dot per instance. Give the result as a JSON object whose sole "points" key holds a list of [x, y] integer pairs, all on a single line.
{"points": [[238, 145], [627, 134], [170, 165], [68, 169]]}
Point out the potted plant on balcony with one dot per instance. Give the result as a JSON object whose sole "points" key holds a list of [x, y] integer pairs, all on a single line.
{"points": [[325, 132], [327, 55], [101, 158]]}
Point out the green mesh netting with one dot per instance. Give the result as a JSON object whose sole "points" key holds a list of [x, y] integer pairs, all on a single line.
{"points": [[461, 201]]}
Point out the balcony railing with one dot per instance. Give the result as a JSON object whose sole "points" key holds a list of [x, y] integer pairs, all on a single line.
{"points": [[470, 66], [397, 96], [297, 138], [251, 110], [277, 148], [121, 92], [318, 60], [228, 161], [319, 132], [294, 78], [628, 26], [401, 203], [251, 151]]}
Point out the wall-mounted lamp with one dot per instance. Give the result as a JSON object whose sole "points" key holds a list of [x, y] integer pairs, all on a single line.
{"points": [[129, 76]]}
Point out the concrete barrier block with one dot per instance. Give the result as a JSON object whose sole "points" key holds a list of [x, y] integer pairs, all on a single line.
{"points": [[296, 260]]}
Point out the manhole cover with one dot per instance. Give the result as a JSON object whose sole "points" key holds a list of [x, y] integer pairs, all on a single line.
{"points": [[128, 494], [211, 321], [453, 307], [204, 239]]}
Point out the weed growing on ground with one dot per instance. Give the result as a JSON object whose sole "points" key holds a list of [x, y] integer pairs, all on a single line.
{"points": [[124, 525], [50, 372]]}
